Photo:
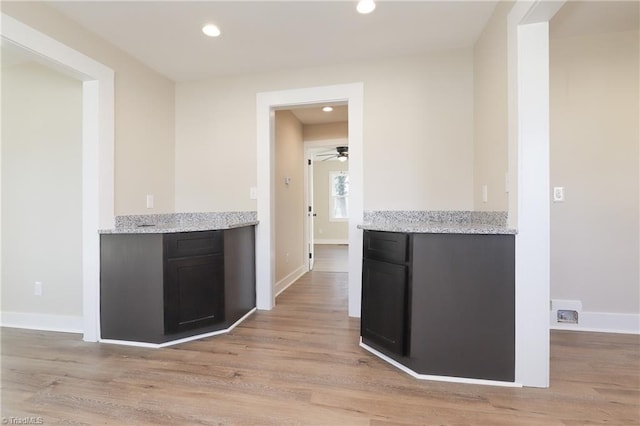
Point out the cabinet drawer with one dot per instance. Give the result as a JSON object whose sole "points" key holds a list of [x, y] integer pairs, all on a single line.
{"points": [[187, 244], [386, 246]]}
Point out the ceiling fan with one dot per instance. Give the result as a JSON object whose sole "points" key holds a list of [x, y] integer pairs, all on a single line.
{"points": [[341, 153]]}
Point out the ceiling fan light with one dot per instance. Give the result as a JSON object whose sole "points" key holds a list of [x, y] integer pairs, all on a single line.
{"points": [[365, 6], [342, 158]]}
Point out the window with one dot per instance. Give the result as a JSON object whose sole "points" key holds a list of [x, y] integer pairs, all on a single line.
{"points": [[338, 196]]}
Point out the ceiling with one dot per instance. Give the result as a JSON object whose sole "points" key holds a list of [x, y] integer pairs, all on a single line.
{"points": [[260, 36], [314, 115]]}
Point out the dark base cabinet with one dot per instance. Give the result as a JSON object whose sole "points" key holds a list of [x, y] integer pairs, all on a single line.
{"points": [[459, 316], [384, 304], [156, 288]]}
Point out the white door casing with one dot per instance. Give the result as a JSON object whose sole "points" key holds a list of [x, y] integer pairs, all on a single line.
{"points": [[267, 102], [97, 151]]}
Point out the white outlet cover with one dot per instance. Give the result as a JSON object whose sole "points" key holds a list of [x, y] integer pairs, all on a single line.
{"points": [[558, 194]]}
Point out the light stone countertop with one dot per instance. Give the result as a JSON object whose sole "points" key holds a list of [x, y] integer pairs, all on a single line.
{"points": [[180, 222], [438, 222]]}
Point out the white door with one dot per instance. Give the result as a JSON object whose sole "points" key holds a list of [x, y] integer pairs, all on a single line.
{"points": [[310, 212]]}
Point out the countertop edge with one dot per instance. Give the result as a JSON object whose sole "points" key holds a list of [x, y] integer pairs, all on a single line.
{"points": [[440, 228], [175, 228]]}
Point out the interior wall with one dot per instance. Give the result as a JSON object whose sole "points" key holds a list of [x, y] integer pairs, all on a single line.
{"points": [[324, 230], [491, 154], [418, 108], [595, 156], [144, 111], [324, 131], [289, 195], [41, 191]]}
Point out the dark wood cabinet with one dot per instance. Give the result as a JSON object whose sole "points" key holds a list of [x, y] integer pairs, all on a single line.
{"points": [[384, 304], [194, 280], [459, 316], [193, 292], [161, 287]]}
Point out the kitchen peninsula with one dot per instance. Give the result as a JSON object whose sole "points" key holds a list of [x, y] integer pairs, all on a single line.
{"points": [[438, 293], [167, 278]]}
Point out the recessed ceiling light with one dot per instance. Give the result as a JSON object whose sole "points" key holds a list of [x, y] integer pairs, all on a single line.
{"points": [[365, 6], [327, 109], [211, 30]]}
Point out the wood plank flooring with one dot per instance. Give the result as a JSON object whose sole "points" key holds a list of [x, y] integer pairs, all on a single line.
{"points": [[300, 364], [331, 258]]}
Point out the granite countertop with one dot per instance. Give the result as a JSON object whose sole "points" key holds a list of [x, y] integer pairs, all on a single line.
{"points": [[438, 222], [180, 222]]}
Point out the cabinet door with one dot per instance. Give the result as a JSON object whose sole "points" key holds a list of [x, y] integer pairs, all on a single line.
{"points": [[193, 292], [384, 305]]}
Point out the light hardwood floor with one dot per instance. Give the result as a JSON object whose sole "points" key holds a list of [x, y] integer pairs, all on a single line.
{"points": [[301, 364], [331, 258]]}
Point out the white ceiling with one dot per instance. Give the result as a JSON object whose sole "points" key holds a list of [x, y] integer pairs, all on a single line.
{"points": [[260, 36], [315, 115]]}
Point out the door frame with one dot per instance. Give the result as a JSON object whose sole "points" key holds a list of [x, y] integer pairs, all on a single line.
{"points": [[98, 94], [309, 147], [266, 104]]}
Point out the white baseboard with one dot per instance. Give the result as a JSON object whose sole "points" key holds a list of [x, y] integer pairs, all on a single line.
{"points": [[603, 322], [331, 241], [437, 378], [284, 283], [177, 342], [44, 322]]}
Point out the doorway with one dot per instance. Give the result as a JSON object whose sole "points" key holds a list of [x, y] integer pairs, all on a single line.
{"points": [[328, 204], [97, 155], [267, 102]]}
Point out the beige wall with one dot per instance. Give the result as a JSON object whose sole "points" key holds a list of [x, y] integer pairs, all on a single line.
{"points": [[144, 112], [490, 113], [417, 110], [289, 198], [41, 191], [325, 230], [318, 132], [594, 156]]}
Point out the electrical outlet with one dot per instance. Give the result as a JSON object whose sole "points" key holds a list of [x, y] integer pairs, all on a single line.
{"points": [[558, 194], [150, 201], [37, 288]]}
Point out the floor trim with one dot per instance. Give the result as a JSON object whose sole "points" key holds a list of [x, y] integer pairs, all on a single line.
{"points": [[437, 378], [601, 322], [287, 281], [178, 341], [43, 322]]}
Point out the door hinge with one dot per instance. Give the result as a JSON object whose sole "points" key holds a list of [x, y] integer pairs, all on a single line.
{"points": [[309, 162], [309, 209], [310, 255]]}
